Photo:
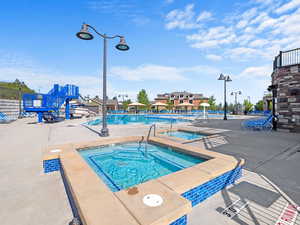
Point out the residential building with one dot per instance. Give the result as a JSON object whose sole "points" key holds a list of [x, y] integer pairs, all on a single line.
{"points": [[179, 97]]}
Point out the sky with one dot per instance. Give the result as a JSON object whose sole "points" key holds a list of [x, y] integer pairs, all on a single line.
{"points": [[175, 45]]}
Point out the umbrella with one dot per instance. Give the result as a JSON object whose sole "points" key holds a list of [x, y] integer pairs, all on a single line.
{"points": [[185, 104], [157, 104], [204, 104], [136, 104]]}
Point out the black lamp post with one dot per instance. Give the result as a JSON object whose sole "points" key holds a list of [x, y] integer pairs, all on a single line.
{"points": [[123, 96], [84, 34], [20, 102], [226, 79], [273, 88], [235, 93]]}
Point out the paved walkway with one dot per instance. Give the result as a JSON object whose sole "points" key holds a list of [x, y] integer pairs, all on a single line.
{"points": [[30, 197], [273, 154]]}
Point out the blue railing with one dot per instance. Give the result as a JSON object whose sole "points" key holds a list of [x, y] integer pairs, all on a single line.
{"points": [[51, 101]]}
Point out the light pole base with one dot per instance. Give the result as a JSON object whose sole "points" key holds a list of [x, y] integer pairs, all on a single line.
{"points": [[104, 132]]}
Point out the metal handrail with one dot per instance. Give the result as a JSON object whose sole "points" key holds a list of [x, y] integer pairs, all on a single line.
{"points": [[171, 125], [149, 132], [146, 142], [140, 142]]}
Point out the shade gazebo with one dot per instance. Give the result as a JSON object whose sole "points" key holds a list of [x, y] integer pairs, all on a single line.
{"points": [[136, 105], [185, 105], [204, 104], [158, 104]]}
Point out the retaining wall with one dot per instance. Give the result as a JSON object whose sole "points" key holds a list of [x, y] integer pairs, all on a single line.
{"points": [[10, 108]]}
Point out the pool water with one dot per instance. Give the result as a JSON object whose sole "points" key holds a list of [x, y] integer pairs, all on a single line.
{"points": [[128, 119], [184, 134], [124, 165]]}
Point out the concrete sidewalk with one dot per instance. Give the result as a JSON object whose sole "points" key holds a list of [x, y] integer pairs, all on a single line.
{"points": [[31, 197], [258, 200], [273, 154]]}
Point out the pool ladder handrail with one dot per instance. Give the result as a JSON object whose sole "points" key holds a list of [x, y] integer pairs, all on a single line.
{"points": [[148, 136], [171, 126], [140, 142], [149, 132]]}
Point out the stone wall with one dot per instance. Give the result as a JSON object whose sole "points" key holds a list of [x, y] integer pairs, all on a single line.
{"points": [[288, 97]]}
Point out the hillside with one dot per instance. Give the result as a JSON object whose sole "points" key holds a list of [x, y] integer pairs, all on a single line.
{"points": [[10, 90]]}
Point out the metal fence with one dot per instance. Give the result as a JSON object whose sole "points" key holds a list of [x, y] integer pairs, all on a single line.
{"points": [[287, 58]]}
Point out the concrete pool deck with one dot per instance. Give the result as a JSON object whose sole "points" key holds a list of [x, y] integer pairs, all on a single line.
{"points": [[32, 197]]}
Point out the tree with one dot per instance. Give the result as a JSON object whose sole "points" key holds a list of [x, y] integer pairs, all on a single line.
{"points": [[212, 103], [220, 107], [170, 105], [230, 107], [142, 97], [259, 106], [247, 106], [11, 90], [126, 104]]}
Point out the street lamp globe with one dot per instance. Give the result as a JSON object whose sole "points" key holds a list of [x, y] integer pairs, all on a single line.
{"points": [[222, 77], [228, 78], [122, 46], [84, 34]]}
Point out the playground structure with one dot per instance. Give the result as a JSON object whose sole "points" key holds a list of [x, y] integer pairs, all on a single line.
{"points": [[47, 106]]}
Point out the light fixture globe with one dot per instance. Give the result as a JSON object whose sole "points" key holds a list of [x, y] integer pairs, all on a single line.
{"points": [[222, 77], [228, 79], [122, 46], [84, 34]]}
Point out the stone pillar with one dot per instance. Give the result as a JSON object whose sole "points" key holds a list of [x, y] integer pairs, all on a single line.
{"points": [[288, 97]]}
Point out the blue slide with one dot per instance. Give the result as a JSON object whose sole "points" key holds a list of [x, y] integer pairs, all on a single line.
{"points": [[47, 105]]}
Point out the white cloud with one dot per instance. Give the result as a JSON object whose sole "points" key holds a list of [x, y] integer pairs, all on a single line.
{"points": [[288, 6], [256, 71], [205, 15], [148, 72], [258, 43], [214, 57], [213, 37], [181, 19], [169, 1], [44, 80], [253, 33], [140, 20], [242, 24], [161, 73]]}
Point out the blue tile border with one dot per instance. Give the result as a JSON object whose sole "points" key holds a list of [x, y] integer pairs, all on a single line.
{"points": [[180, 221], [204, 191], [51, 165]]}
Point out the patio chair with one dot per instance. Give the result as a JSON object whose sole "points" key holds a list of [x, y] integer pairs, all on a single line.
{"points": [[264, 123], [4, 118]]}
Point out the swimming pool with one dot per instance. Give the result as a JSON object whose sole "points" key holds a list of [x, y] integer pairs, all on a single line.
{"points": [[125, 165], [116, 119], [184, 134]]}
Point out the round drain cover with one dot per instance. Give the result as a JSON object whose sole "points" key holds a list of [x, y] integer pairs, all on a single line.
{"points": [[152, 200], [55, 150]]}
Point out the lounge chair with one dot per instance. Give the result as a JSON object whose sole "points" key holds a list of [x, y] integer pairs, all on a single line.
{"points": [[264, 123]]}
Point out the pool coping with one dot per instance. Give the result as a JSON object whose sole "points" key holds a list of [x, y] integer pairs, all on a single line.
{"points": [[208, 133], [96, 202]]}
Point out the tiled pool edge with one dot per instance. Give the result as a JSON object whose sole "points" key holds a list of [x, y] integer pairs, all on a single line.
{"points": [[51, 165], [198, 194], [180, 221], [194, 195]]}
